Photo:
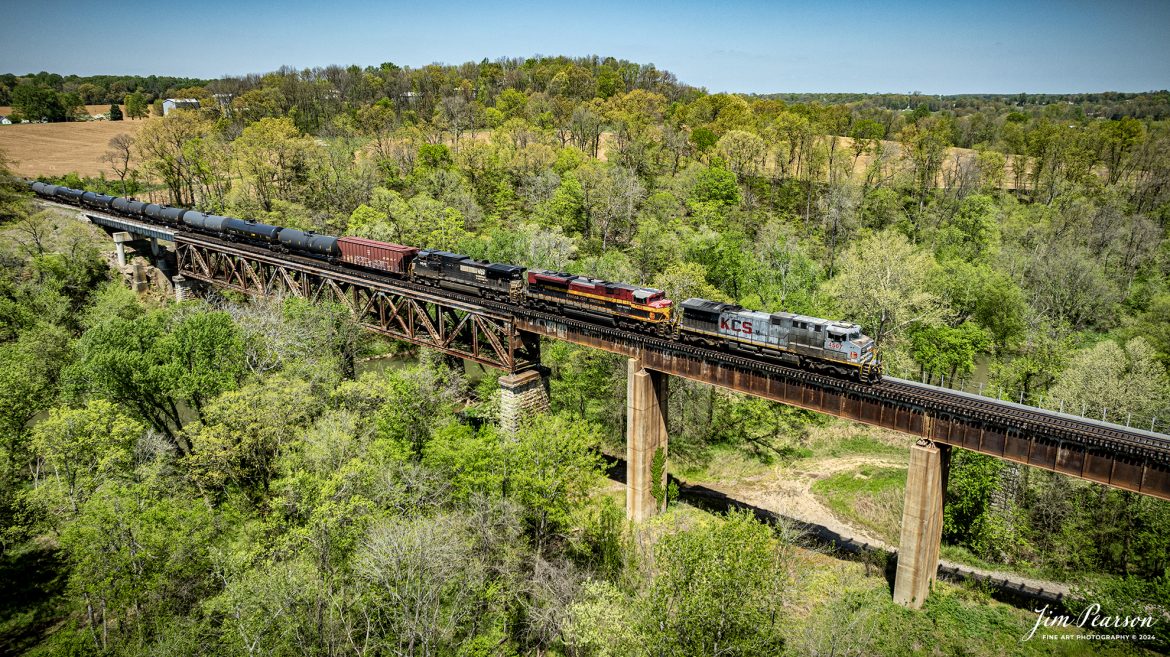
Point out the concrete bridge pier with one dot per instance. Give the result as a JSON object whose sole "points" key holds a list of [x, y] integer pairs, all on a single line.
{"points": [[922, 520], [645, 436], [521, 395], [120, 240]]}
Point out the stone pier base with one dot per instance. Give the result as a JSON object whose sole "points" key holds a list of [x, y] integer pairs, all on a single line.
{"points": [[645, 436], [922, 519], [183, 289], [521, 395]]}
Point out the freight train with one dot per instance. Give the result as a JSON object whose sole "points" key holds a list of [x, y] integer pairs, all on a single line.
{"points": [[811, 343]]}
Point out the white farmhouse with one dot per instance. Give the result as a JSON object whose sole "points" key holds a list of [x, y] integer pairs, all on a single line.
{"points": [[179, 103]]}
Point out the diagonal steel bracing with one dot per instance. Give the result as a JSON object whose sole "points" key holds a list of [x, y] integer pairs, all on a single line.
{"points": [[400, 311]]}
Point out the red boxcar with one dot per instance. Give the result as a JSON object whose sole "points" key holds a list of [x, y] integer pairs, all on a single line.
{"points": [[394, 258]]}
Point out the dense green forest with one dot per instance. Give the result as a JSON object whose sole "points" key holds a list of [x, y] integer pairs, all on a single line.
{"points": [[214, 477]]}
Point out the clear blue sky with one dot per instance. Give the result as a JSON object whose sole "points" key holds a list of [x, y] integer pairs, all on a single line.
{"points": [[738, 45]]}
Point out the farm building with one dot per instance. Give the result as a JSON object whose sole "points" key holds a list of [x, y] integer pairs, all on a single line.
{"points": [[179, 103]]}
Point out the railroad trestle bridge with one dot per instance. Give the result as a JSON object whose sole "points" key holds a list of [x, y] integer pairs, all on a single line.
{"points": [[507, 337]]}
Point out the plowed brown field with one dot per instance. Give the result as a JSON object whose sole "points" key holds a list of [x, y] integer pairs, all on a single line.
{"points": [[60, 148]]}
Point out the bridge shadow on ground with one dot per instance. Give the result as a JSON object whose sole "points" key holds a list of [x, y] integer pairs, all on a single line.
{"points": [[875, 558]]}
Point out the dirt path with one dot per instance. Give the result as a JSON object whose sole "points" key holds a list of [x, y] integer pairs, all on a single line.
{"points": [[788, 492]]}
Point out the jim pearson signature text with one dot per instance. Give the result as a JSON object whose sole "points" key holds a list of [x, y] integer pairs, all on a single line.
{"points": [[1090, 618]]}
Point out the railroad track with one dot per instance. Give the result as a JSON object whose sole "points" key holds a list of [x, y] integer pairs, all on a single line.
{"points": [[1018, 416], [929, 399]]}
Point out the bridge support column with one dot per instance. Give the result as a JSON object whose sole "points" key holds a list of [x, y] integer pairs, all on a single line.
{"points": [[120, 240], [922, 519], [182, 287], [521, 395], [645, 437]]}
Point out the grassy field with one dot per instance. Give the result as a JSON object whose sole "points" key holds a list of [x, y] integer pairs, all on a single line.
{"points": [[868, 496], [59, 148]]}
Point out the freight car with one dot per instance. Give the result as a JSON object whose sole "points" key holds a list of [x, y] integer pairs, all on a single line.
{"points": [[807, 342], [381, 256]]}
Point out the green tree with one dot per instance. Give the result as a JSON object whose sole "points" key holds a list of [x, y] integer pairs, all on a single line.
{"points": [[968, 517], [983, 294], [161, 146], [864, 136], [548, 468], [883, 285], [30, 368], [136, 106], [155, 363], [115, 112], [743, 151], [81, 449], [715, 590], [37, 102], [973, 233], [1154, 326], [924, 143], [715, 185], [12, 193], [74, 107], [947, 352], [1115, 381], [272, 154], [245, 432], [136, 557], [683, 280], [553, 466]]}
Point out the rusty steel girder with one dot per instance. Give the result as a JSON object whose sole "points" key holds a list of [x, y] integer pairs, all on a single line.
{"points": [[401, 312], [1088, 451]]}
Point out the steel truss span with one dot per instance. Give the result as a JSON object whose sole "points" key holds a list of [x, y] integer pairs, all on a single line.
{"points": [[428, 320]]}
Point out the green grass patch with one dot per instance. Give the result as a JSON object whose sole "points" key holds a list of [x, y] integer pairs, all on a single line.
{"points": [[719, 463], [868, 496], [856, 444]]}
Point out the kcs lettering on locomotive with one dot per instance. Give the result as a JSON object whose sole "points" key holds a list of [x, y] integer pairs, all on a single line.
{"points": [[736, 325]]}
